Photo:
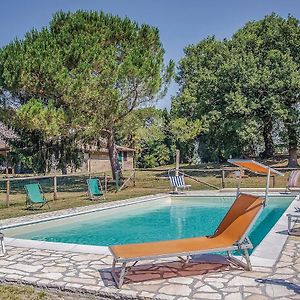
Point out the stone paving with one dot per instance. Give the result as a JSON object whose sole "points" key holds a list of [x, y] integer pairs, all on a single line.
{"points": [[89, 274]]}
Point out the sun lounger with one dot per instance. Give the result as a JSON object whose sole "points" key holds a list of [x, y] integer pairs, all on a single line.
{"points": [[35, 196], [231, 235], [95, 189], [177, 182], [294, 181]]}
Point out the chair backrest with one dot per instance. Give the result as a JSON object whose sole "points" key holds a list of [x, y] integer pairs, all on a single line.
{"points": [[34, 193], [177, 181], [93, 185], [240, 218], [294, 179]]}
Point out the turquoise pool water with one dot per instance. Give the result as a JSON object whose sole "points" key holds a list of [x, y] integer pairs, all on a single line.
{"points": [[181, 217]]}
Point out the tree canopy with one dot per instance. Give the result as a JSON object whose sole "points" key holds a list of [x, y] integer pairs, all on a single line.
{"points": [[89, 76], [242, 89], [94, 67]]}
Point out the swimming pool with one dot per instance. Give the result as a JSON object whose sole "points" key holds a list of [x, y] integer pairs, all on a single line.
{"points": [[162, 219]]}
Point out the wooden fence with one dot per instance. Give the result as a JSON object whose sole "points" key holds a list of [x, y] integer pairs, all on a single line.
{"points": [[197, 175], [9, 179]]}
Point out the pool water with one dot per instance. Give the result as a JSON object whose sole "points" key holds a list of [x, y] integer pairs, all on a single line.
{"points": [[164, 219]]}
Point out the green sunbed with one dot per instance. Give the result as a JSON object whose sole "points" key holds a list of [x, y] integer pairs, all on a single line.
{"points": [[35, 196], [95, 188]]}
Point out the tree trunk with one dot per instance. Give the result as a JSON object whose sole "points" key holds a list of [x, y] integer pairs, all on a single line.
{"points": [[113, 155], [62, 149], [293, 147], [268, 139], [64, 169]]}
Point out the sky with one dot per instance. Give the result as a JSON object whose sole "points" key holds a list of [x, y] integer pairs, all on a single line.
{"points": [[180, 22]]}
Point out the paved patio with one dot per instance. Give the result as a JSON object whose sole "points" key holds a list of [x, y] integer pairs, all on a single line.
{"points": [[90, 274]]}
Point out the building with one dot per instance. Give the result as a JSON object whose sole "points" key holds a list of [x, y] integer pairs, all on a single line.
{"points": [[96, 159]]}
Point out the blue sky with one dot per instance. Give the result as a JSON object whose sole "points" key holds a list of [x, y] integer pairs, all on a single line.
{"points": [[181, 22]]}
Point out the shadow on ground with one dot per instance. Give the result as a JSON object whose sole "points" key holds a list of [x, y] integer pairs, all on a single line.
{"points": [[198, 265], [289, 285]]}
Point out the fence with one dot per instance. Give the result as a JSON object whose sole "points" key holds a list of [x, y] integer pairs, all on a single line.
{"points": [[136, 183], [71, 184], [220, 178]]}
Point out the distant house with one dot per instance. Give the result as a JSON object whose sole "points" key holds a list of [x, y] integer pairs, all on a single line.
{"points": [[96, 159]]}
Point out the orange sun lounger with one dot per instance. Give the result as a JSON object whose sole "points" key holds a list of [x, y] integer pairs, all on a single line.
{"points": [[231, 235]]}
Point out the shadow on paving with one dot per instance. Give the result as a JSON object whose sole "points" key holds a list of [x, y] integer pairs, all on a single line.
{"points": [[198, 265], [289, 285]]}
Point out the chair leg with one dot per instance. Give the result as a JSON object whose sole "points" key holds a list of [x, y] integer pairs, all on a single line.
{"points": [[45, 203], [247, 266], [119, 281], [30, 206], [113, 272], [122, 275], [185, 261]]}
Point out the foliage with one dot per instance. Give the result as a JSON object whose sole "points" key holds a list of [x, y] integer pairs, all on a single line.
{"points": [[275, 87], [47, 119], [210, 95], [240, 89], [94, 66], [41, 155], [147, 131]]}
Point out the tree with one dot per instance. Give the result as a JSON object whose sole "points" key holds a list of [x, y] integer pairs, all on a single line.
{"points": [[241, 88], [274, 42], [97, 67], [210, 77], [46, 139], [147, 131]]}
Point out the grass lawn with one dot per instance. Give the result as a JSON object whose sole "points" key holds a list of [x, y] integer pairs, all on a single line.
{"points": [[10, 292], [22, 292], [72, 190]]}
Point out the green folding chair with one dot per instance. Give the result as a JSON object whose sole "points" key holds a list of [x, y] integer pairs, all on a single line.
{"points": [[95, 189], [35, 196]]}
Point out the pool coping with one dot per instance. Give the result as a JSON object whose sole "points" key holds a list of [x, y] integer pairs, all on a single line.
{"points": [[66, 213], [265, 254], [269, 249]]}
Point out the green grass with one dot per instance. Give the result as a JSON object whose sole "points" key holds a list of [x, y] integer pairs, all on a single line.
{"points": [[22, 292], [11, 292], [72, 190]]}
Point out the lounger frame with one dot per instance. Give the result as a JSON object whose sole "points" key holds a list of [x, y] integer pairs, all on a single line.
{"points": [[92, 197], [241, 246], [181, 187], [31, 204]]}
